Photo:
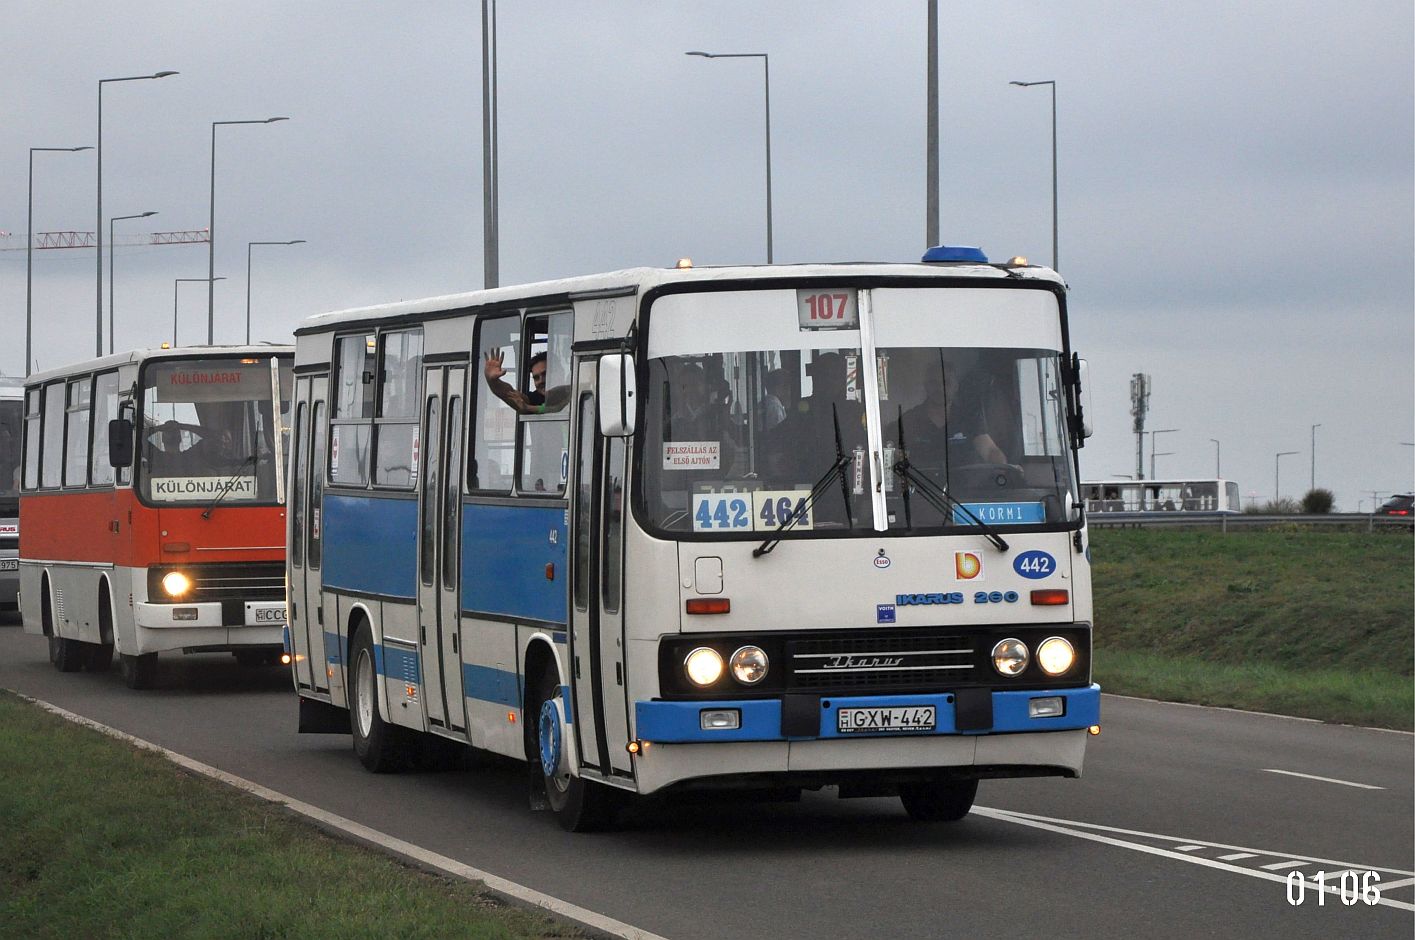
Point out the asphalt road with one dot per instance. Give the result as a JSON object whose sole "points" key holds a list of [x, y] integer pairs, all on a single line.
{"points": [[1176, 830]]}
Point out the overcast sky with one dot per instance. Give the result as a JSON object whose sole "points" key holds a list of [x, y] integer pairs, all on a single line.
{"points": [[1236, 194]]}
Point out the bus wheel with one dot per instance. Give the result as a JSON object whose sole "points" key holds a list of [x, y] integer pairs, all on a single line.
{"points": [[67, 655], [381, 747], [100, 657], [938, 800], [139, 672], [580, 805]]}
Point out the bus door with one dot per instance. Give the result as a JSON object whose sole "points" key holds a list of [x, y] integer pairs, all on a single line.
{"points": [[305, 613], [439, 523], [597, 590]]}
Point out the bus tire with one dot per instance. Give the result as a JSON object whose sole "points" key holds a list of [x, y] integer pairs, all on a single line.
{"points": [[380, 746], [938, 800], [579, 805], [66, 655], [139, 672], [100, 654]]}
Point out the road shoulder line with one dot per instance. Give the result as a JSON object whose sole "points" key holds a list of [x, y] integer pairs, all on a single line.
{"points": [[1249, 711], [510, 891]]}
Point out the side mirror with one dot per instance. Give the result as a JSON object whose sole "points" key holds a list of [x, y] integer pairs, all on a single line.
{"points": [[617, 404], [120, 442], [1083, 397]]}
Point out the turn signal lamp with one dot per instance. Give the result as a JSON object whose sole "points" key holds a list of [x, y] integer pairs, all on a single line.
{"points": [[1017, 261], [708, 605], [285, 659], [1094, 729], [632, 747], [176, 584], [1052, 597], [684, 263]]}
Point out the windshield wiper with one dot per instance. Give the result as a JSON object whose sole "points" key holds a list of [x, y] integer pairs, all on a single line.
{"points": [[836, 469], [937, 497], [226, 487]]}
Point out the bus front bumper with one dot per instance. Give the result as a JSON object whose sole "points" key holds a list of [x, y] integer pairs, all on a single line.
{"points": [[675, 748], [209, 626]]}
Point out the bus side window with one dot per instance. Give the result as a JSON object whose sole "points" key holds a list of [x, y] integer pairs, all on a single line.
{"points": [[316, 483], [51, 463], [545, 442], [353, 410], [297, 496], [396, 428], [32, 438], [493, 455], [105, 409], [76, 434]]}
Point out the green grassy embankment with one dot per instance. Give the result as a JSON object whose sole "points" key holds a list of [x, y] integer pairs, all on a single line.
{"points": [[102, 840], [1311, 622]]}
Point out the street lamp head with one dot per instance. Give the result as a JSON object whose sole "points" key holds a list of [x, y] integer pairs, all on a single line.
{"points": [[146, 214], [77, 149], [296, 241], [274, 119], [164, 74], [705, 55]]}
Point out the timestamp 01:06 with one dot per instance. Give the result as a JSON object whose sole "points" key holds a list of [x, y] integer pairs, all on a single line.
{"points": [[1351, 887]]}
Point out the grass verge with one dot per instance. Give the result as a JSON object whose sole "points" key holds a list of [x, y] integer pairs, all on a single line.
{"points": [[1310, 622], [102, 840]]}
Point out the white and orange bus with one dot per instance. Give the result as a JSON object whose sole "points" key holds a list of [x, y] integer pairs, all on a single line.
{"points": [[152, 507]]}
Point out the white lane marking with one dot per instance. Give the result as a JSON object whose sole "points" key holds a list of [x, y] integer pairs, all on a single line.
{"points": [[442, 863], [1282, 866], [1062, 827], [1344, 783], [1249, 711], [1236, 856], [1187, 848]]}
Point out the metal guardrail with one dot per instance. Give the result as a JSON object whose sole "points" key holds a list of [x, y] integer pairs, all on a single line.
{"points": [[1229, 520]]}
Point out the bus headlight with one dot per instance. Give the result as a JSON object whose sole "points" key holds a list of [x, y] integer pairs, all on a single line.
{"points": [[1055, 655], [703, 666], [1010, 656], [749, 665], [176, 584]]}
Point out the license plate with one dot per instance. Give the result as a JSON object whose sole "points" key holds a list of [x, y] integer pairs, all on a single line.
{"points": [[9, 564], [884, 720], [265, 614]]}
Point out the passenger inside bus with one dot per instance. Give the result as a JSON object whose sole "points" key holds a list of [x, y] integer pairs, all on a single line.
{"points": [[949, 428], [801, 447], [536, 400]]}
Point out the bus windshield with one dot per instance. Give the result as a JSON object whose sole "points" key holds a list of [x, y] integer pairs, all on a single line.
{"points": [[207, 429], [11, 419], [749, 407]]}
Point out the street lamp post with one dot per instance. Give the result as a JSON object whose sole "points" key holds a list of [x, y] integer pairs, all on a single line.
{"points": [[29, 247], [1314, 457], [98, 233], [1218, 463], [1277, 468], [1154, 444], [1054, 261], [175, 284], [249, 245], [766, 76], [116, 218], [211, 230]]}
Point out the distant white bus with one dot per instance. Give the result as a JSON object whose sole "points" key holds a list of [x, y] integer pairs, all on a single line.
{"points": [[12, 395], [1161, 496]]}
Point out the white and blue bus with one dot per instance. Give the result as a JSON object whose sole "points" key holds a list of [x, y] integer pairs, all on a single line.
{"points": [[768, 528]]}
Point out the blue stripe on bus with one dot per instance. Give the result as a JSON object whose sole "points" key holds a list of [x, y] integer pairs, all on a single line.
{"points": [[371, 544], [505, 550], [678, 722], [488, 684]]}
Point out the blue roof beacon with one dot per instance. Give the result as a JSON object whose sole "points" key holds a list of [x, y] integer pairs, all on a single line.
{"points": [[955, 253]]}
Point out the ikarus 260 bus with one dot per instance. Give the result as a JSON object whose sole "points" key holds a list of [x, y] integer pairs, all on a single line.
{"points": [[783, 527]]}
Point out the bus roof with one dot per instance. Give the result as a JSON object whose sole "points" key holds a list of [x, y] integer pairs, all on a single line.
{"points": [[646, 278], [141, 355]]}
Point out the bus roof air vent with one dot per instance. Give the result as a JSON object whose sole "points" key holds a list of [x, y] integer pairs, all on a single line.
{"points": [[955, 253]]}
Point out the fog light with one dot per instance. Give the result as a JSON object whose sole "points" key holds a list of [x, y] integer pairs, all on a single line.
{"points": [[749, 665], [1055, 655], [703, 666], [176, 584], [1009, 657], [1053, 706], [719, 719], [184, 613]]}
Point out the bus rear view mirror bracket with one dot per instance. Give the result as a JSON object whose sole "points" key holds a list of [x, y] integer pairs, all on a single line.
{"points": [[120, 442], [617, 401]]}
